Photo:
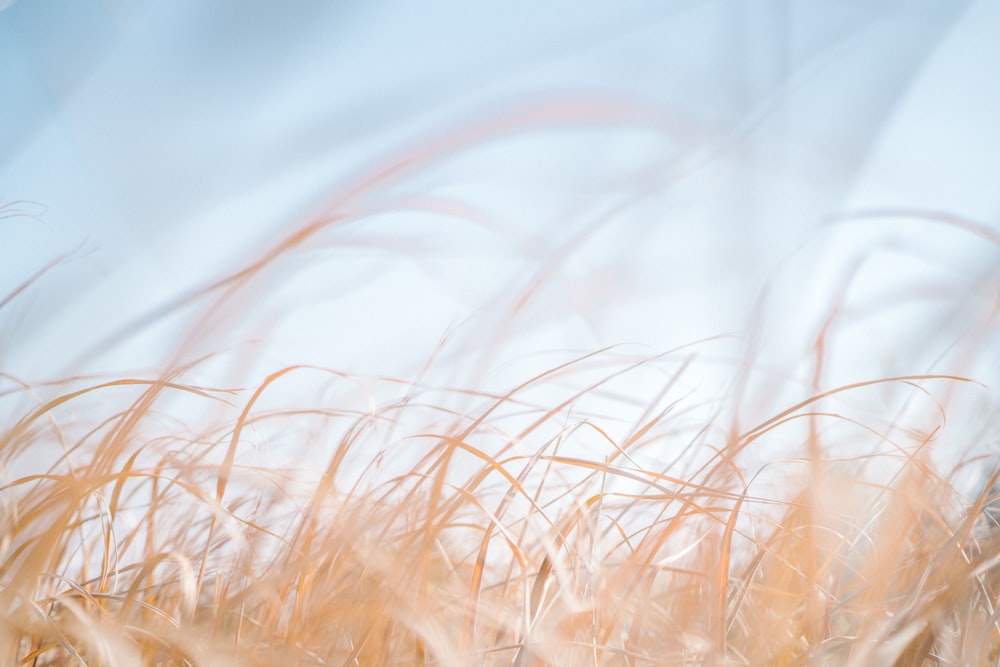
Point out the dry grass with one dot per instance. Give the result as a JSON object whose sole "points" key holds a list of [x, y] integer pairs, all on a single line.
{"points": [[559, 520]]}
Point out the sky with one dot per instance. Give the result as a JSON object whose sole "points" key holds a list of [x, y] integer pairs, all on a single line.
{"points": [[651, 173]]}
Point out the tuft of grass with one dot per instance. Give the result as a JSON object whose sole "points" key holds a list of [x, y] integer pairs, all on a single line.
{"points": [[141, 541]]}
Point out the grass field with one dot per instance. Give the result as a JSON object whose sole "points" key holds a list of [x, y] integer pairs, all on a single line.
{"points": [[206, 515]]}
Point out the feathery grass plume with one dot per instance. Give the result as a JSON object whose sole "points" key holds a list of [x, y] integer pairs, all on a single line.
{"points": [[308, 515]]}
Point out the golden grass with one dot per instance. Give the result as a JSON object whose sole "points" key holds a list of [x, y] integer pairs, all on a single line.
{"points": [[142, 542], [154, 520]]}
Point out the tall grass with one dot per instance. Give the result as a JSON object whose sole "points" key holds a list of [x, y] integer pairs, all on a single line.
{"points": [[310, 516]]}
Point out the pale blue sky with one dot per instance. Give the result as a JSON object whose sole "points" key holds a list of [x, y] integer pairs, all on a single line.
{"points": [[161, 144]]}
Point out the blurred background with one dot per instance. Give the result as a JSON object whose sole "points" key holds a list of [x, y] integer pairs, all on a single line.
{"points": [[515, 178]]}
